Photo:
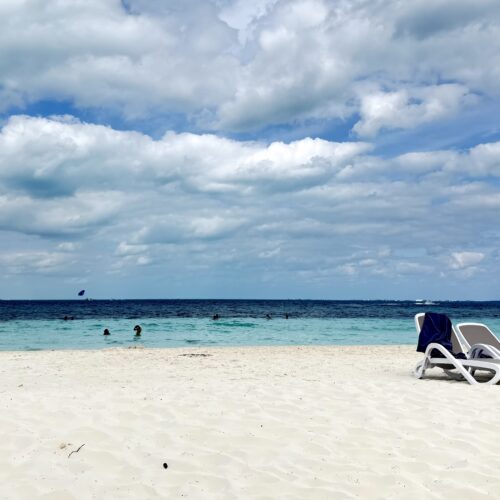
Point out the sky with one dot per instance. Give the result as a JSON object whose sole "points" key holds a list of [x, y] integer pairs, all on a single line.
{"points": [[313, 149]]}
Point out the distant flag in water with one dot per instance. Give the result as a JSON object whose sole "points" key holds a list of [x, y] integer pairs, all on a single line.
{"points": [[80, 293]]}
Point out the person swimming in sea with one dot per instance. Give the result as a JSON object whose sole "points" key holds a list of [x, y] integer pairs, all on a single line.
{"points": [[137, 330], [268, 316], [215, 317], [106, 332]]}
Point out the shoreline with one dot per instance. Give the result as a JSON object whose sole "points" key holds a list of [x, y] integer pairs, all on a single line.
{"points": [[210, 347], [260, 422]]}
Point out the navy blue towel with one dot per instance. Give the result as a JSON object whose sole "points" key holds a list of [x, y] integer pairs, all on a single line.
{"points": [[437, 329]]}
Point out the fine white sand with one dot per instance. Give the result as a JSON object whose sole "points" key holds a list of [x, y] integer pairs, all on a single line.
{"points": [[266, 422]]}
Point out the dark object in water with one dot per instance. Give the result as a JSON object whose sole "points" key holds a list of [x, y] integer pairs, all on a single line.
{"points": [[137, 330], [268, 316], [81, 293], [106, 332], [165, 465], [215, 317]]}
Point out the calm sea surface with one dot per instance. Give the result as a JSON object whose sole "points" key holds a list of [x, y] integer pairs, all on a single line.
{"points": [[35, 325]]}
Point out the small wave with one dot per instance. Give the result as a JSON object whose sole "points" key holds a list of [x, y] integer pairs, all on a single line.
{"points": [[235, 324]]}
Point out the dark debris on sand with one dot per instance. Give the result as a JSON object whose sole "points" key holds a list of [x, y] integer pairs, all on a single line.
{"points": [[196, 355]]}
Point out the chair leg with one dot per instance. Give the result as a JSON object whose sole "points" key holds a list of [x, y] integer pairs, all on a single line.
{"points": [[419, 370], [496, 377]]}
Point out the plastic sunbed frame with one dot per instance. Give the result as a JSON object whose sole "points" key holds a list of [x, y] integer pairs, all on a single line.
{"points": [[465, 368]]}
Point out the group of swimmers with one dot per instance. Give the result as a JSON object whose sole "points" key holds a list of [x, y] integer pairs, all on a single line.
{"points": [[137, 330], [215, 317]]}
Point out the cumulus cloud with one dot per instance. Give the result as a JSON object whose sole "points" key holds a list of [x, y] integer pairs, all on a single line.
{"points": [[328, 185], [65, 177], [119, 201], [32, 262], [462, 260], [59, 157], [410, 108], [77, 215], [67, 246], [485, 159], [103, 54], [232, 65], [317, 59], [466, 264]]}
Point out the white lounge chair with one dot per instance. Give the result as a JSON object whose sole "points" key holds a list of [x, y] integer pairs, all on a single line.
{"points": [[474, 339], [465, 368], [483, 340]]}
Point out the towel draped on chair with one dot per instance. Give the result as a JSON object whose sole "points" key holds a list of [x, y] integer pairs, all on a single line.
{"points": [[437, 329]]}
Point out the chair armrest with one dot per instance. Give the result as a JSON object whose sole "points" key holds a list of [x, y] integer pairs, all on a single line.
{"points": [[478, 350]]}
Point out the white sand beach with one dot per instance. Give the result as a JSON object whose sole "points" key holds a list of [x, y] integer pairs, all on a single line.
{"points": [[257, 422]]}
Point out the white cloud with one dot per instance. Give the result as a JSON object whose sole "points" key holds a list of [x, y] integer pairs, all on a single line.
{"points": [[463, 260], [67, 246], [429, 161], [78, 215], [298, 72], [26, 262], [61, 177], [485, 159], [268, 254], [143, 260], [347, 269], [97, 54], [85, 200], [237, 65], [125, 249], [409, 108], [52, 157], [92, 201]]}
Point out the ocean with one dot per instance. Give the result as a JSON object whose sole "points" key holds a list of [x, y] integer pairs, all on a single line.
{"points": [[41, 325]]}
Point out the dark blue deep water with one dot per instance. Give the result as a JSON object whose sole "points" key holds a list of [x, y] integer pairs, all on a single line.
{"points": [[326, 309], [32, 325]]}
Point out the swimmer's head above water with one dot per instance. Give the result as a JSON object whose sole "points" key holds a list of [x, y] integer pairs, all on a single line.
{"points": [[137, 330]]}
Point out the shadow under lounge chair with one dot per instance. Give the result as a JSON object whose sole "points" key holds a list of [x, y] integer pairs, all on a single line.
{"points": [[439, 356]]}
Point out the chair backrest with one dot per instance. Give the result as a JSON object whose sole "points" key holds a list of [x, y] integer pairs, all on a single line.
{"points": [[456, 343], [477, 333]]}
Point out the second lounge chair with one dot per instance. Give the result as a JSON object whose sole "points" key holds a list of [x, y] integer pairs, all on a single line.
{"points": [[485, 342]]}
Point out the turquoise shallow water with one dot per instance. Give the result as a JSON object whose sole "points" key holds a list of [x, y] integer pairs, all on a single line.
{"points": [[178, 332]]}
